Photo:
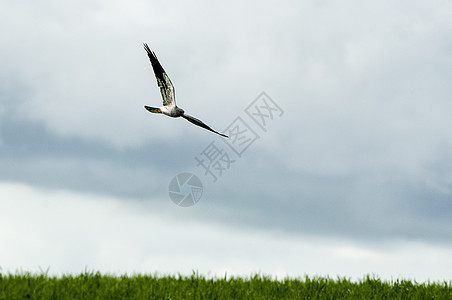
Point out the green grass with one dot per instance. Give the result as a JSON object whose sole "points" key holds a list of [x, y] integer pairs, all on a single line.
{"points": [[97, 286]]}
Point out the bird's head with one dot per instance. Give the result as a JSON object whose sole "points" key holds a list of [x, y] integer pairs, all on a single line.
{"points": [[155, 110]]}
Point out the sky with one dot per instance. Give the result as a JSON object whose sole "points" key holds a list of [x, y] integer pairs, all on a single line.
{"points": [[338, 162]]}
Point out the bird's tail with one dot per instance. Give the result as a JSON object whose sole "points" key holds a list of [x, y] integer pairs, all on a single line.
{"points": [[154, 110]]}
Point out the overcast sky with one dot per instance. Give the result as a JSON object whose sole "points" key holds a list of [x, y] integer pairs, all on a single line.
{"points": [[351, 173]]}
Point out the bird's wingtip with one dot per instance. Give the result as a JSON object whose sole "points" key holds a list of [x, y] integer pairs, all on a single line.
{"points": [[146, 47]]}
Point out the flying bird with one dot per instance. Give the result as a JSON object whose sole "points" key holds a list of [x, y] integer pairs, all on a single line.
{"points": [[169, 107]]}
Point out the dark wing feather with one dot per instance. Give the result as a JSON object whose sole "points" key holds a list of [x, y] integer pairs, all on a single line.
{"points": [[163, 81], [200, 123]]}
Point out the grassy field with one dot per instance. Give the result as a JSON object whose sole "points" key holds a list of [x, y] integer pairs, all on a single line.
{"points": [[98, 286]]}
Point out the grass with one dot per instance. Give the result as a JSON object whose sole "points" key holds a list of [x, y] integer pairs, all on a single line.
{"points": [[91, 285]]}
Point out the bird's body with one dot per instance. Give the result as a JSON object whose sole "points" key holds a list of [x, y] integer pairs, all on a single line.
{"points": [[170, 111], [167, 90]]}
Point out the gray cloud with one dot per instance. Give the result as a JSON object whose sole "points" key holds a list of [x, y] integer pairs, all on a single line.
{"points": [[256, 191], [30, 153]]}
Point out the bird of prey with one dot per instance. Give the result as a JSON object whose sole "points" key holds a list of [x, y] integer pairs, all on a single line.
{"points": [[169, 107]]}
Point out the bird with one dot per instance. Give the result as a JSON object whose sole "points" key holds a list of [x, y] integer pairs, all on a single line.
{"points": [[167, 90]]}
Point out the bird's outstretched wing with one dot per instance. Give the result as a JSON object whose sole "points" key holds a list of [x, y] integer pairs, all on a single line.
{"points": [[163, 81], [200, 123]]}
